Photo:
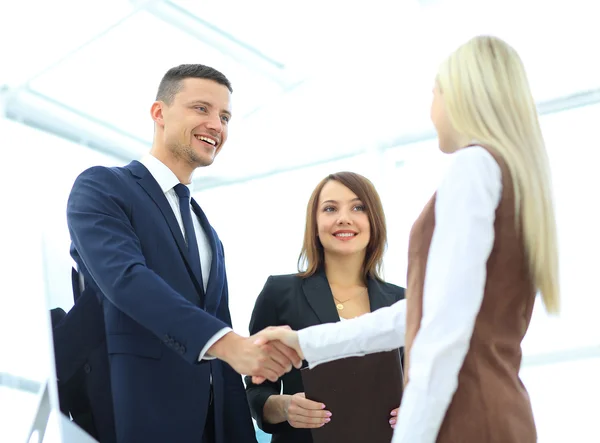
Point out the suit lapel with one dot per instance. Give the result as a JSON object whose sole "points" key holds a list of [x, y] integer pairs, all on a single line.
{"points": [[318, 294], [378, 296], [150, 185]]}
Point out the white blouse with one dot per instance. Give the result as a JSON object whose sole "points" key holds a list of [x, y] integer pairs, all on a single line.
{"points": [[455, 279]]}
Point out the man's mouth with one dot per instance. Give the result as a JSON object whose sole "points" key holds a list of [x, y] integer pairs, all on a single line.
{"points": [[207, 140]]}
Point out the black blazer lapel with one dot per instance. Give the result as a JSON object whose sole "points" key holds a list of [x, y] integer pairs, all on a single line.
{"points": [[379, 296], [150, 185], [318, 294]]}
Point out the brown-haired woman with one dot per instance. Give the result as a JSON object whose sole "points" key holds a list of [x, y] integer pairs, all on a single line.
{"points": [[339, 278]]}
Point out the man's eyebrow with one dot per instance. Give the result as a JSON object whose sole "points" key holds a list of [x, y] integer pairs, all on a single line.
{"points": [[201, 102]]}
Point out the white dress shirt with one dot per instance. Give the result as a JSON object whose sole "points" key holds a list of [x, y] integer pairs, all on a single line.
{"points": [[167, 181], [455, 279]]}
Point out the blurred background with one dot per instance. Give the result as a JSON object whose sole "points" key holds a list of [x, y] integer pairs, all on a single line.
{"points": [[319, 87]]}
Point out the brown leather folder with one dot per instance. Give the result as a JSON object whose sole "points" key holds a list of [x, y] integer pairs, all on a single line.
{"points": [[360, 393]]}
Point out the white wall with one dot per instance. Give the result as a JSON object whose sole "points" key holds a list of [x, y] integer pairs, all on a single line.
{"points": [[566, 399]]}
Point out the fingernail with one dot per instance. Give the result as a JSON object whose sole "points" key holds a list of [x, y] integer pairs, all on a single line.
{"points": [[327, 420], [322, 406], [392, 421], [394, 413], [328, 414]]}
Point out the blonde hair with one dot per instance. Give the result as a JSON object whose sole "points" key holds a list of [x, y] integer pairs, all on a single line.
{"points": [[488, 99]]}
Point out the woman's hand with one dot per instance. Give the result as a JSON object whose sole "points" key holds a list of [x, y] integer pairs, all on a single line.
{"points": [[394, 415], [303, 413]]}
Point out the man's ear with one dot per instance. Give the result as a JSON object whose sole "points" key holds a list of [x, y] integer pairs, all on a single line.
{"points": [[156, 112]]}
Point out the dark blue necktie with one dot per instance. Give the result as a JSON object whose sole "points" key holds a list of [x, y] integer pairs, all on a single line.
{"points": [[190, 234]]}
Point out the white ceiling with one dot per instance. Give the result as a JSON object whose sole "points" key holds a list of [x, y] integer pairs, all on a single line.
{"points": [[312, 81]]}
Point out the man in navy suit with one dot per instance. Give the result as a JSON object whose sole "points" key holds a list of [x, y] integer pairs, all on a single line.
{"points": [[159, 267]]}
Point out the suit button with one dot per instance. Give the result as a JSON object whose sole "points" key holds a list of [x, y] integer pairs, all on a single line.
{"points": [[87, 368], [182, 350]]}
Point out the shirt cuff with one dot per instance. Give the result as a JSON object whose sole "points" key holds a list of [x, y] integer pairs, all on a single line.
{"points": [[215, 338]]}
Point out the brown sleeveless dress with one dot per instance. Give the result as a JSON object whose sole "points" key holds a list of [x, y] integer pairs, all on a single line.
{"points": [[490, 405]]}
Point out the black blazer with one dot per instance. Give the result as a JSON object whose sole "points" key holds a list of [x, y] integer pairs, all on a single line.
{"points": [[299, 303]]}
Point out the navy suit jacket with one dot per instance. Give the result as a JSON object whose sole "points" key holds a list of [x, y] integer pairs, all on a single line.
{"points": [[158, 318]]}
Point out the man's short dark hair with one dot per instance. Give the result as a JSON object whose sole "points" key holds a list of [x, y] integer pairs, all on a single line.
{"points": [[170, 84]]}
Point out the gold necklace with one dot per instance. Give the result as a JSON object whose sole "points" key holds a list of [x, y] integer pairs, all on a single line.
{"points": [[340, 305]]}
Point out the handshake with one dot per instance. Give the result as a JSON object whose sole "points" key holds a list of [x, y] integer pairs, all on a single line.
{"points": [[266, 355]]}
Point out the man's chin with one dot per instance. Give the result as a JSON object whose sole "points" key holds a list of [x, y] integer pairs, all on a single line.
{"points": [[202, 161]]}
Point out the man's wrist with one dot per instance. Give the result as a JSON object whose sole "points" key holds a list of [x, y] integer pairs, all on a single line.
{"points": [[222, 349]]}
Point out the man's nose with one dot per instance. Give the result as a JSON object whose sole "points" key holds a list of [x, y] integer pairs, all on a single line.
{"points": [[215, 123]]}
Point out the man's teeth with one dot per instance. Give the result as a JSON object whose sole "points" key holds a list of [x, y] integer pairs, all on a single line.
{"points": [[345, 234], [206, 139]]}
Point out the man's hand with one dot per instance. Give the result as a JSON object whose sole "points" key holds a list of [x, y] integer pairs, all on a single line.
{"points": [[278, 336], [255, 356], [301, 412]]}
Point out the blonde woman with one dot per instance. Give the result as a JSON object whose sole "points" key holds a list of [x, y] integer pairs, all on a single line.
{"points": [[480, 250]]}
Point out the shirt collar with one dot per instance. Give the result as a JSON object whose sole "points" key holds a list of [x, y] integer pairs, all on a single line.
{"points": [[165, 178]]}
